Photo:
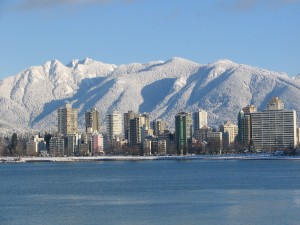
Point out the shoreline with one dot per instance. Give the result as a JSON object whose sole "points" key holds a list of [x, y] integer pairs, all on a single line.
{"points": [[143, 158]]}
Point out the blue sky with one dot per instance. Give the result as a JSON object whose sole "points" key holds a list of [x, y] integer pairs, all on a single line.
{"points": [[261, 33]]}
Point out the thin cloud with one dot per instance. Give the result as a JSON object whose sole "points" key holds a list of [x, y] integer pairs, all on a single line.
{"points": [[248, 5], [243, 5], [291, 1], [45, 4]]}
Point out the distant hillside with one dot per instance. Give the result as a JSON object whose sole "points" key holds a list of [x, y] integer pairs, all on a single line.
{"points": [[29, 100]]}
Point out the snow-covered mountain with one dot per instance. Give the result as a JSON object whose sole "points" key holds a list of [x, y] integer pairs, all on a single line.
{"points": [[30, 99]]}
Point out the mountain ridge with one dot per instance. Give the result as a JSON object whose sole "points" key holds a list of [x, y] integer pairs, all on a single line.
{"points": [[29, 99]]}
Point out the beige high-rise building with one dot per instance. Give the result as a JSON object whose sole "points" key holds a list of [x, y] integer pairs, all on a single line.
{"points": [[249, 109], [158, 127], [139, 128], [67, 120], [275, 104], [230, 132], [145, 120], [92, 120]]}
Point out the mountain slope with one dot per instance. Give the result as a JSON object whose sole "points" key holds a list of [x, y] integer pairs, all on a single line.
{"points": [[30, 99]]}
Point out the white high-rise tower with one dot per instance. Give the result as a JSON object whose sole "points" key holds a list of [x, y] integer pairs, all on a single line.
{"points": [[114, 126], [199, 119]]}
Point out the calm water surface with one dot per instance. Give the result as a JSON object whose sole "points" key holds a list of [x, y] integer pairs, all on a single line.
{"points": [[151, 192]]}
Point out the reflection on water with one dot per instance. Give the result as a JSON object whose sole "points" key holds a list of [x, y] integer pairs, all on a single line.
{"points": [[151, 192]]}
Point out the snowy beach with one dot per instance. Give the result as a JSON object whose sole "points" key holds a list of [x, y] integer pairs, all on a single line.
{"points": [[134, 158]]}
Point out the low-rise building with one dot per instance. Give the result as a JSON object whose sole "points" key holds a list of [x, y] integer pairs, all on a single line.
{"points": [[57, 146], [34, 145], [97, 144], [214, 142]]}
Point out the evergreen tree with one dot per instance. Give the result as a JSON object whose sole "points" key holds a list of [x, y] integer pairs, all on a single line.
{"points": [[13, 144]]}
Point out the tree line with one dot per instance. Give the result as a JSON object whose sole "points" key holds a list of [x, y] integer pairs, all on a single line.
{"points": [[13, 146]]}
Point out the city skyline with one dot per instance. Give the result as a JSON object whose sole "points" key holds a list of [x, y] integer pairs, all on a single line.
{"points": [[272, 130], [258, 33]]}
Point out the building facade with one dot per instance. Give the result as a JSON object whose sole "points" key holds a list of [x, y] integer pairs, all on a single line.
{"points": [[183, 132], [274, 128], [57, 146], [199, 119], [114, 126], [97, 144], [201, 134], [244, 125], [214, 142], [298, 136], [67, 120], [139, 129], [127, 117], [135, 131], [229, 132], [158, 127], [34, 145], [275, 104], [92, 120]]}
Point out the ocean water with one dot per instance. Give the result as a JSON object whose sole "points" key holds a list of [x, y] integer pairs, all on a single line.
{"points": [[167, 192]]}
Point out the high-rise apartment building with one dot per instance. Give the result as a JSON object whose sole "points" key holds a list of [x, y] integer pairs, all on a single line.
{"points": [[92, 120], [71, 144], [201, 134], [114, 126], [158, 127], [139, 128], [135, 131], [57, 146], [274, 128], [183, 132], [127, 117], [249, 109], [229, 132], [199, 119], [275, 104], [159, 146], [145, 120], [244, 125], [169, 137], [241, 127], [67, 120]]}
